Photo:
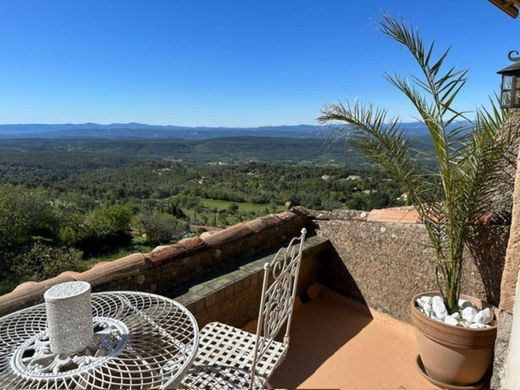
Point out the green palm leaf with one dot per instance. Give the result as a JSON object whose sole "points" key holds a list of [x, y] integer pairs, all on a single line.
{"points": [[452, 199]]}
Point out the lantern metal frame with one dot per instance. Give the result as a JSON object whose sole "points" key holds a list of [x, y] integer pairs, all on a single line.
{"points": [[510, 86]]}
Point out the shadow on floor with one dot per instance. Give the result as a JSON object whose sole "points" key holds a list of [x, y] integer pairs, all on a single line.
{"points": [[320, 328]]}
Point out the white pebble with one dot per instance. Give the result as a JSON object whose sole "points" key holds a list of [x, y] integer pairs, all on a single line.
{"points": [[439, 308], [427, 309], [425, 305], [469, 314], [451, 321], [463, 303], [484, 316], [477, 326], [456, 315]]}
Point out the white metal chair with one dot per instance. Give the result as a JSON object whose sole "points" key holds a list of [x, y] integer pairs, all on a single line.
{"points": [[230, 358]]}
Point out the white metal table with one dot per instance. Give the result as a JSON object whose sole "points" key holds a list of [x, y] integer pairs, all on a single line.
{"points": [[142, 341]]}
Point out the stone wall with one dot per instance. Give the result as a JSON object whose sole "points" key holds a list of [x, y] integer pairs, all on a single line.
{"points": [[384, 258], [172, 267], [512, 264], [234, 298], [511, 269]]}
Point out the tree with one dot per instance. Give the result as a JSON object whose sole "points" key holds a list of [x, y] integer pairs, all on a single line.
{"points": [[108, 220], [160, 228], [105, 228], [233, 208], [24, 214], [41, 261], [451, 199], [222, 217]]}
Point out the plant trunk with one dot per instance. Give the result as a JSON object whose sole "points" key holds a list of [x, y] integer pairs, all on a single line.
{"points": [[453, 299], [453, 282]]}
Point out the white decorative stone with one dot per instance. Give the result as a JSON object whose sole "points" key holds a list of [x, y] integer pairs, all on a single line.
{"points": [[484, 316], [469, 314], [425, 305], [463, 303], [69, 317], [427, 309], [456, 315], [451, 321], [439, 308], [476, 325]]}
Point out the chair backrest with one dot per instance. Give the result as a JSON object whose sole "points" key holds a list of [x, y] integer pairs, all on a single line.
{"points": [[278, 294]]}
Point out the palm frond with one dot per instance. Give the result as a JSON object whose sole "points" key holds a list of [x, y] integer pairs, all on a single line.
{"points": [[467, 153]]}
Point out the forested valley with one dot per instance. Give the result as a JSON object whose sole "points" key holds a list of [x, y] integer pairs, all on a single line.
{"points": [[65, 205]]}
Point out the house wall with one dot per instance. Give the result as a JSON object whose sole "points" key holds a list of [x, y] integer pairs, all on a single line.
{"points": [[508, 333]]}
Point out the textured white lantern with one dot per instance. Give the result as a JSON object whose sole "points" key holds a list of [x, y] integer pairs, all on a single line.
{"points": [[69, 317]]}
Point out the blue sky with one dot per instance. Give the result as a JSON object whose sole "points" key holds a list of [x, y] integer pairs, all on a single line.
{"points": [[227, 63]]}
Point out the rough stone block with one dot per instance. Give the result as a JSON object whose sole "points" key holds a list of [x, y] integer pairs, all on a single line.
{"points": [[504, 327]]}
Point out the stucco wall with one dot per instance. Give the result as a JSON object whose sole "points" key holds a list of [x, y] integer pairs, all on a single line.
{"points": [[384, 264]]}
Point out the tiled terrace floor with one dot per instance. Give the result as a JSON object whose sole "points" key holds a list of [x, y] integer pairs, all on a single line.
{"points": [[336, 343]]}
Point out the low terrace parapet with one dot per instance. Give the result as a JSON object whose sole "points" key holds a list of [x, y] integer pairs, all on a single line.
{"points": [[170, 266]]}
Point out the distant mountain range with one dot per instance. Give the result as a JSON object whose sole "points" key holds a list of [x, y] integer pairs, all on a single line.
{"points": [[144, 131]]}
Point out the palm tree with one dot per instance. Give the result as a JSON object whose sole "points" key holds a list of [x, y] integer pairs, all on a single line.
{"points": [[454, 197]]}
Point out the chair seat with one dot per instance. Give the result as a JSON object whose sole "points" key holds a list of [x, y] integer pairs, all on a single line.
{"points": [[225, 357]]}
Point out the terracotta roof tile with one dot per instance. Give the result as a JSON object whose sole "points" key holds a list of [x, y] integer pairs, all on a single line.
{"points": [[169, 252], [395, 214], [28, 293], [230, 234], [106, 272]]}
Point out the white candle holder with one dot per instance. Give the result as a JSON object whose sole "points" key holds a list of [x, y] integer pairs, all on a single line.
{"points": [[69, 317]]}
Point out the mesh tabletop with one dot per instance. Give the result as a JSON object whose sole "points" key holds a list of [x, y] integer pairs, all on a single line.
{"points": [[143, 342]]}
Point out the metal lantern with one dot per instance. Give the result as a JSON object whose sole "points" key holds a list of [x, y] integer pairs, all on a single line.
{"points": [[510, 90]]}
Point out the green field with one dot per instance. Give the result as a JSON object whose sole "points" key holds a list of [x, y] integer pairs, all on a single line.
{"points": [[251, 207], [249, 210]]}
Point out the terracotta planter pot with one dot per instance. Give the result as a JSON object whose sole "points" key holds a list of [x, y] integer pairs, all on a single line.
{"points": [[453, 355]]}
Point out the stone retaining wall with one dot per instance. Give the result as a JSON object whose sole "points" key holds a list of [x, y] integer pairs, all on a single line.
{"points": [[234, 298], [383, 259]]}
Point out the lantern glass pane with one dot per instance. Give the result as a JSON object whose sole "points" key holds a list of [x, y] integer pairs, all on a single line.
{"points": [[507, 82], [517, 98], [505, 99]]}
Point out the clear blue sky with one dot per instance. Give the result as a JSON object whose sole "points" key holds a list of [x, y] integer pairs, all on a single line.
{"points": [[224, 62]]}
